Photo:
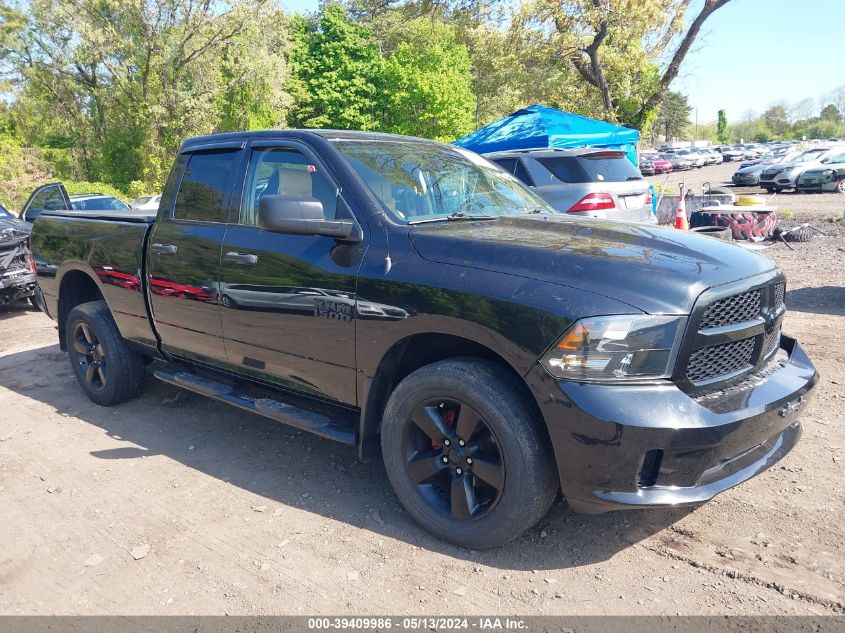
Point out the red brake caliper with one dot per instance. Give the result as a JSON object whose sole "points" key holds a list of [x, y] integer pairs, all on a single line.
{"points": [[449, 418]]}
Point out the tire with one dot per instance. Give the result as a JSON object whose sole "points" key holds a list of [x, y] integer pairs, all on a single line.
{"points": [[800, 234], [717, 232], [840, 185], [508, 440], [107, 369]]}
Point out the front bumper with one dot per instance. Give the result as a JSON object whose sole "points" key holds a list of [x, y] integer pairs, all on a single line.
{"points": [[816, 183], [745, 179], [16, 285], [642, 446]]}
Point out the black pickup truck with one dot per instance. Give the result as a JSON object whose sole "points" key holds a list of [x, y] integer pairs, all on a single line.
{"points": [[411, 299]]}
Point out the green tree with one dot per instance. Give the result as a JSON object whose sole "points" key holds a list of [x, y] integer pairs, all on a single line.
{"points": [[336, 67], [617, 47], [427, 84], [830, 113], [722, 127], [119, 84], [775, 119], [673, 120]]}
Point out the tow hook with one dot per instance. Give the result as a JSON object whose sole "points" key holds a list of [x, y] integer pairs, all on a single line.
{"points": [[791, 406]]}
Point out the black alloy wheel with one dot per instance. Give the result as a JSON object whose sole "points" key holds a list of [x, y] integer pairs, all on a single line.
{"points": [[90, 356], [467, 452], [454, 459], [107, 369]]}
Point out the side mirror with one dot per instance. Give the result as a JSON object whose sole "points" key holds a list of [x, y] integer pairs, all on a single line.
{"points": [[303, 215]]}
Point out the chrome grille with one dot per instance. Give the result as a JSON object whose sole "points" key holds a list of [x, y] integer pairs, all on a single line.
{"points": [[735, 309], [719, 360], [771, 343], [780, 293]]}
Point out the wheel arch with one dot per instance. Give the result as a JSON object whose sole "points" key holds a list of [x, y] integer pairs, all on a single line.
{"points": [[76, 287], [411, 353]]}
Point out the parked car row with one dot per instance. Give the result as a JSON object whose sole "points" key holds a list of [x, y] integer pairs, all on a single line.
{"points": [[652, 163], [815, 169]]}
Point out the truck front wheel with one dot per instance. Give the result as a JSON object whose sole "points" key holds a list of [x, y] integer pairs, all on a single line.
{"points": [[107, 369], [466, 454]]}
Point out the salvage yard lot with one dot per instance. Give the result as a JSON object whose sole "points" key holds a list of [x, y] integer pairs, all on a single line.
{"points": [[172, 504], [807, 207]]}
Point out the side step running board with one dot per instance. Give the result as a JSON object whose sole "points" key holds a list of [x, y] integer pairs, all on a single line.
{"points": [[275, 409]]}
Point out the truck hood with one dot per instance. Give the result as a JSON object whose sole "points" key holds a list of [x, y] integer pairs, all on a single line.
{"points": [[654, 269]]}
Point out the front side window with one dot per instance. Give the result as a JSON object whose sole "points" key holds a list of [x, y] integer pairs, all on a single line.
{"points": [[49, 198], [418, 181], [287, 172], [205, 186]]}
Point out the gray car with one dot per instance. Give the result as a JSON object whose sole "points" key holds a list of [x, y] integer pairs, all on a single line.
{"points": [[785, 175], [587, 181]]}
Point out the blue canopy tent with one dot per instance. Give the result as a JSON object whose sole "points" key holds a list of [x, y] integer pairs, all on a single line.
{"points": [[539, 127]]}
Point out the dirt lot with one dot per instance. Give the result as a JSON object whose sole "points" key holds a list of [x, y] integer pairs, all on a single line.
{"points": [[171, 504]]}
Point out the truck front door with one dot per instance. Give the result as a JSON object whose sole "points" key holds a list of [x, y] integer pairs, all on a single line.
{"points": [[288, 301], [183, 254]]}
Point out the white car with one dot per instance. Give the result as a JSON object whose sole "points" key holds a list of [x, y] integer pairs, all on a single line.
{"points": [[146, 203]]}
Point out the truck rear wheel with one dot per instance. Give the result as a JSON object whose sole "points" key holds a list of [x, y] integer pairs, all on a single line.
{"points": [[465, 453], [107, 369]]}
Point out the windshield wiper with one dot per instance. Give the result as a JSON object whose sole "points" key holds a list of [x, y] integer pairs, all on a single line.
{"points": [[458, 215]]}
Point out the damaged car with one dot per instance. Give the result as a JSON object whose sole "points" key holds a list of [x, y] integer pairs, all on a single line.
{"points": [[17, 268]]}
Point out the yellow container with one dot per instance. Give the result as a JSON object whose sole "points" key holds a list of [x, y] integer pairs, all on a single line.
{"points": [[750, 201]]}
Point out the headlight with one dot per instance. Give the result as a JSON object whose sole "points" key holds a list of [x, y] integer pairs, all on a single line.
{"points": [[623, 347]]}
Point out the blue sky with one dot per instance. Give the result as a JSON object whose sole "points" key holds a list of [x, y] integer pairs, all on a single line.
{"points": [[752, 54]]}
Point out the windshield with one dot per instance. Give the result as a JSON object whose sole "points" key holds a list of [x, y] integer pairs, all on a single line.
{"points": [[813, 154], [424, 181], [4, 214]]}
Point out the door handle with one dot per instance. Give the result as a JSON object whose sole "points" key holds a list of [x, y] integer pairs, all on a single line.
{"points": [[245, 259], [163, 249]]}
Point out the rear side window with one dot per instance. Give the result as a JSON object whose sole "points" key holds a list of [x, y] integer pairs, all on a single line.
{"points": [[603, 168], [205, 186], [565, 169], [516, 168], [508, 164]]}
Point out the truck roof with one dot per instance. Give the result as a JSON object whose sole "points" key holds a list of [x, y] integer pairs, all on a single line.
{"points": [[298, 133]]}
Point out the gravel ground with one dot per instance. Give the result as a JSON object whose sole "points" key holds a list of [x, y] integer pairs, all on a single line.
{"points": [[172, 504], [805, 207]]}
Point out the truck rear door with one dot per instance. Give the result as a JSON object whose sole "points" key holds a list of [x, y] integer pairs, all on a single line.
{"points": [[183, 252]]}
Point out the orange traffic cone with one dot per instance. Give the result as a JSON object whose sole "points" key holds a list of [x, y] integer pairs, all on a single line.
{"points": [[681, 215]]}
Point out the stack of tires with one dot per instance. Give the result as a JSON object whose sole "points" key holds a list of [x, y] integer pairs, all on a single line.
{"points": [[743, 224]]}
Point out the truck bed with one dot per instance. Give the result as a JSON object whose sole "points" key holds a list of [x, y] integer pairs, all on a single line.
{"points": [[107, 247]]}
